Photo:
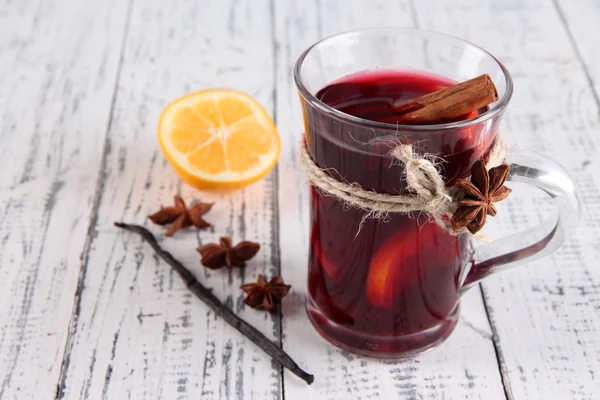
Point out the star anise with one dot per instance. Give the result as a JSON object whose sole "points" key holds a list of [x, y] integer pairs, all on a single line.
{"points": [[215, 256], [265, 294], [484, 189], [180, 216]]}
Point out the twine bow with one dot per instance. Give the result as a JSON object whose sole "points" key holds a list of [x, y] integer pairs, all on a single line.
{"points": [[427, 191]]}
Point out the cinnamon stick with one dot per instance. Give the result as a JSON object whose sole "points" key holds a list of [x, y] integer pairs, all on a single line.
{"points": [[450, 104]]}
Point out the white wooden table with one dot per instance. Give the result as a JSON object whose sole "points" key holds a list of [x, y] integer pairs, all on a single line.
{"points": [[87, 312]]}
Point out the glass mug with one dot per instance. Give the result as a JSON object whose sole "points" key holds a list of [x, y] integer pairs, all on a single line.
{"points": [[390, 288]]}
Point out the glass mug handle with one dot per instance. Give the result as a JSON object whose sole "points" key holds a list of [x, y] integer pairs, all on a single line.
{"points": [[541, 171]]}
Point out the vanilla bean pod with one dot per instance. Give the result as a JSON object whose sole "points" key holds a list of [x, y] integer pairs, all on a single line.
{"points": [[205, 294]]}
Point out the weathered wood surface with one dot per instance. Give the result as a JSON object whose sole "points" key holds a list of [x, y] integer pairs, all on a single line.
{"points": [[88, 312], [58, 66], [138, 332]]}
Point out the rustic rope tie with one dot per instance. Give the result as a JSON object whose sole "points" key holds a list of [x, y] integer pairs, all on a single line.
{"points": [[427, 190]]}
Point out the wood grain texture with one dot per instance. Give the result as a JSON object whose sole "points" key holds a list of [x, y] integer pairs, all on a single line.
{"points": [[545, 316], [465, 367], [139, 333], [581, 19], [87, 312], [58, 64]]}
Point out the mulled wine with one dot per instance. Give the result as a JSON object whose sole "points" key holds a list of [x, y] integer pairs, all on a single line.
{"points": [[383, 286]]}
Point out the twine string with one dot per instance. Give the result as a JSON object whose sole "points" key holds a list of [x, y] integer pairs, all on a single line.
{"points": [[427, 191]]}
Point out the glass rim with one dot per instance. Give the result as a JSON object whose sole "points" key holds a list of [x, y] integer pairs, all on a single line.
{"points": [[314, 101]]}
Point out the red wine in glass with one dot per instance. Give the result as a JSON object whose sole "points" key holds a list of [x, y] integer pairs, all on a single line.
{"points": [[383, 286]]}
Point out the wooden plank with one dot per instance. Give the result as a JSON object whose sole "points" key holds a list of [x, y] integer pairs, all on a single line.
{"points": [[58, 66], [582, 20], [545, 317], [466, 365], [140, 333]]}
